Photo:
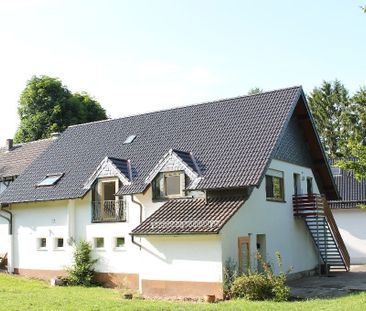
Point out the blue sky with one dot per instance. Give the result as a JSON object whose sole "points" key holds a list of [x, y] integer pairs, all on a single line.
{"points": [[138, 56]]}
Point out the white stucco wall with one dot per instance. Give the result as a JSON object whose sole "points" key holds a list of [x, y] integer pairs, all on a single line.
{"points": [[40, 220], [352, 226], [182, 258], [284, 233], [3, 236]]}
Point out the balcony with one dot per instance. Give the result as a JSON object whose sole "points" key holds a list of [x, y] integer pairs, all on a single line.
{"points": [[108, 211], [306, 205]]}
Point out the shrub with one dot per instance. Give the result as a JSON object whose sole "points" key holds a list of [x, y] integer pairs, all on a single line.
{"points": [[262, 286], [82, 271], [230, 274]]}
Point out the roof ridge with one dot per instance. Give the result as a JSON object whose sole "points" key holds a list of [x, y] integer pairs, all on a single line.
{"points": [[187, 106], [28, 143]]}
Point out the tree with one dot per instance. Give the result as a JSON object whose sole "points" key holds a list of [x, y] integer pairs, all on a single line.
{"points": [[330, 105], [255, 90], [356, 163], [47, 106]]}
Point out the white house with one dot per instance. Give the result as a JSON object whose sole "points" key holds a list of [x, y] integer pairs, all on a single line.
{"points": [[166, 198], [349, 214]]}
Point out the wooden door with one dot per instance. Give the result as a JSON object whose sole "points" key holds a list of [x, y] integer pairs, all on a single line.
{"points": [[244, 254]]}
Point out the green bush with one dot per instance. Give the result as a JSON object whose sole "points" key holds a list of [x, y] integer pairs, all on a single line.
{"points": [[230, 274], [82, 272], [262, 286]]}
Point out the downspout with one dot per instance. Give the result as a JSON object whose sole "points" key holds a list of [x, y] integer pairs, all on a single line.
{"points": [[134, 242], [10, 242], [140, 205]]}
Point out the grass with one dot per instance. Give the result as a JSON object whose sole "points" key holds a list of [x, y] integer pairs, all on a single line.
{"points": [[18, 293]]}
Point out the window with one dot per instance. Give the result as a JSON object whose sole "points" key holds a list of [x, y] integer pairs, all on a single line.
{"points": [[297, 184], [99, 242], [50, 180], [59, 243], [275, 186], [169, 185], [120, 242], [309, 185], [336, 171], [129, 139], [109, 191], [41, 243]]}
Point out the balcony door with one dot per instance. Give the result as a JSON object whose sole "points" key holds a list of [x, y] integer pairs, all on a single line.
{"points": [[109, 191]]}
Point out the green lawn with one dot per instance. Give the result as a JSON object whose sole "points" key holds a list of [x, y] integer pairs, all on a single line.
{"points": [[17, 293]]}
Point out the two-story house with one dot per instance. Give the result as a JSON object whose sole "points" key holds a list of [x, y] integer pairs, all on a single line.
{"points": [[166, 198]]}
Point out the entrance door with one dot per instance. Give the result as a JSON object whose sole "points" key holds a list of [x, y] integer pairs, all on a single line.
{"points": [[297, 184], [244, 254]]}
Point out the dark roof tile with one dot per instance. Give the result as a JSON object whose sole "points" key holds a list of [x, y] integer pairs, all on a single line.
{"points": [[232, 141], [185, 216]]}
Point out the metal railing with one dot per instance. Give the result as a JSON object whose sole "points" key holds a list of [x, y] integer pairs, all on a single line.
{"points": [[316, 205], [108, 211]]}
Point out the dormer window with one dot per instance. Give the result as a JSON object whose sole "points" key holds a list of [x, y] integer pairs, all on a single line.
{"points": [[168, 185]]}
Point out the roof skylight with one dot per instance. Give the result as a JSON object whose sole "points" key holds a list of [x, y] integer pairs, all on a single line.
{"points": [[129, 139], [50, 180]]}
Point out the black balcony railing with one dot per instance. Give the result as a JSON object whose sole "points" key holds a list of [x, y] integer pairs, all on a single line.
{"points": [[108, 211]]}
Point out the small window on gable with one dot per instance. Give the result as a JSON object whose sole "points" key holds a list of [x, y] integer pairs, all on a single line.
{"points": [[169, 185], [50, 180], [275, 186]]}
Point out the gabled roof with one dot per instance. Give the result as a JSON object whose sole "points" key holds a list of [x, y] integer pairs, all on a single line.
{"points": [[111, 167], [189, 216], [180, 160], [15, 161], [352, 191], [233, 141]]}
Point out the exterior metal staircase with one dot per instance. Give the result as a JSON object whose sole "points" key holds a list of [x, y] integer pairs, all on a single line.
{"points": [[319, 219]]}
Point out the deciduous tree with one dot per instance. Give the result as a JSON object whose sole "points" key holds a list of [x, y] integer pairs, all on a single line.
{"points": [[47, 106]]}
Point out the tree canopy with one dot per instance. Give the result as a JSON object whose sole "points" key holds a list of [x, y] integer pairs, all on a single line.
{"points": [[255, 90], [330, 105], [47, 106]]}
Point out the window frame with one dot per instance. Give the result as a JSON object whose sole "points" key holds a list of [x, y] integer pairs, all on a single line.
{"points": [[309, 179], [159, 183], [95, 244], [54, 177], [57, 247], [39, 244], [275, 175], [116, 247]]}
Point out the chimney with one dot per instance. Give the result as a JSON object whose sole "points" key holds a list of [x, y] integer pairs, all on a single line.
{"points": [[55, 135], [9, 144]]}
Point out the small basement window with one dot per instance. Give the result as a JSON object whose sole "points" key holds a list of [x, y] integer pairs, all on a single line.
{"points": [[120, 242], [50, 180], [169, 185], [41, 243], [59, 243], [99, 242], [275, 186]]}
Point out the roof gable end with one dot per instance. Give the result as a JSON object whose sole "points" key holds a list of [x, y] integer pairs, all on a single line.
{"points": [[111, 167]]}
